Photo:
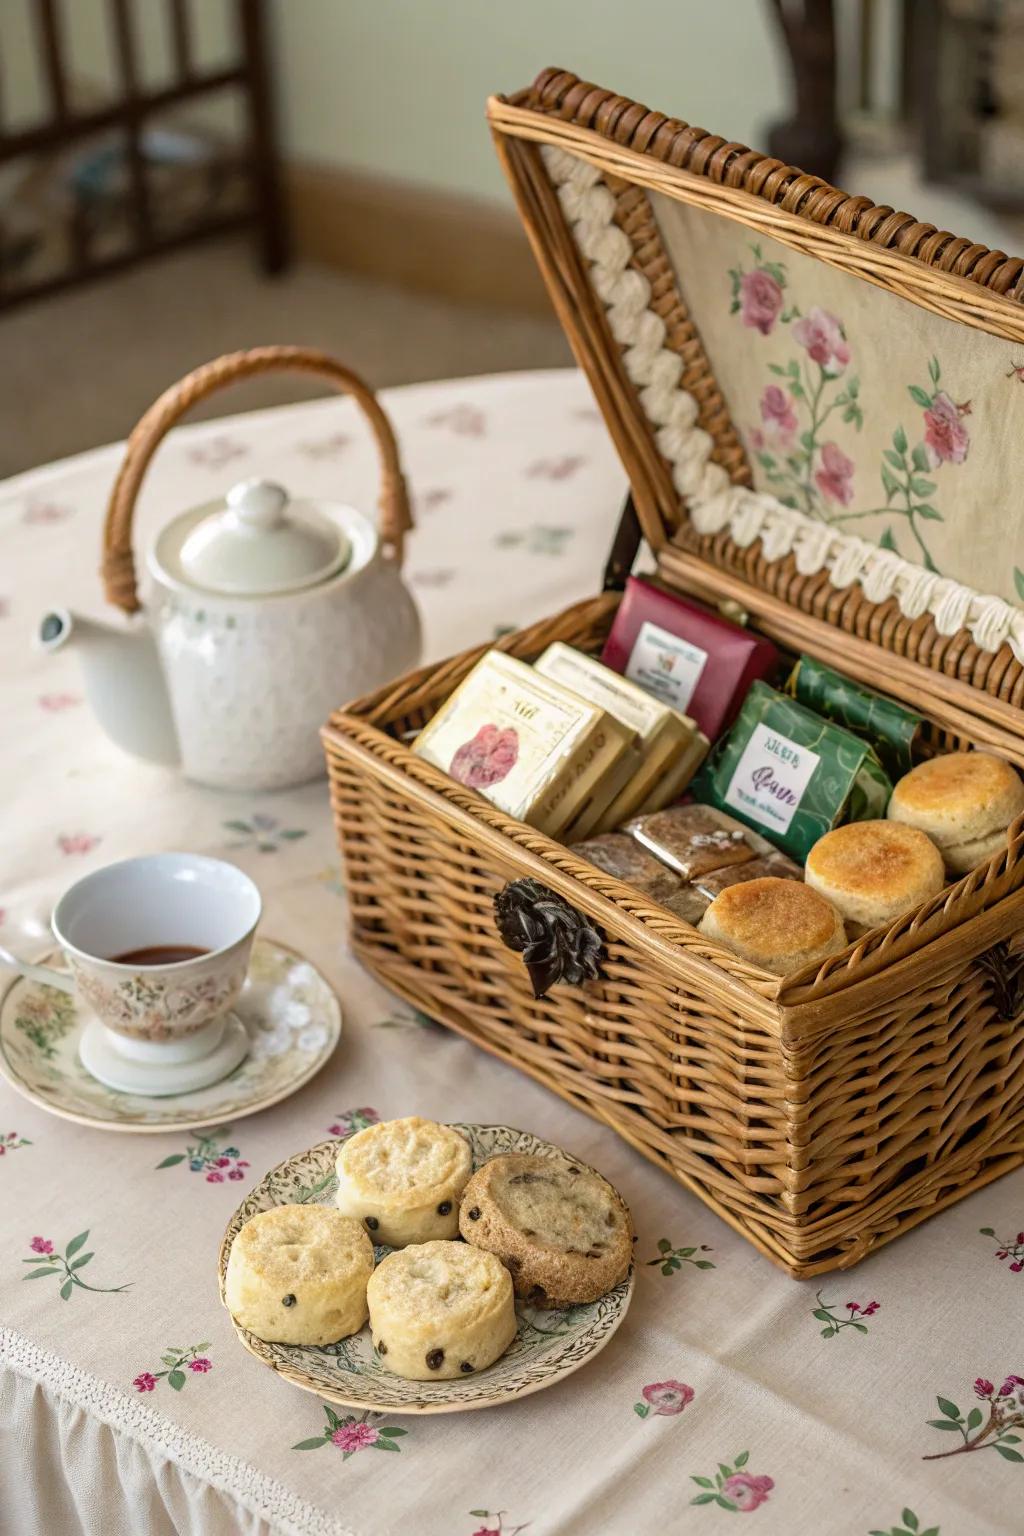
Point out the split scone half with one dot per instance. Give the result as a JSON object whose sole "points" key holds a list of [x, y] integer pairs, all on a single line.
{"points": [[403, 1179], [440, 1310], [297, 1274], [564, 1233]]}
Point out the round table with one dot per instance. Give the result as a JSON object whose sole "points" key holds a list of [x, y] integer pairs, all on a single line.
{"points": [[862, 1404]]}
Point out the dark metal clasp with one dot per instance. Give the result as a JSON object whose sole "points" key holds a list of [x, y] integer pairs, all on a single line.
{"points": [[1005, 973], [556, 942]]}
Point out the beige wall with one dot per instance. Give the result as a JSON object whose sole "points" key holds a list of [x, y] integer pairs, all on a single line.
{"points": [[399, 86]]}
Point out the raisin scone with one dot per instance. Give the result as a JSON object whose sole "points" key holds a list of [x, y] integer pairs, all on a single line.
{"points": [[440, 1310], [297, 1274], [403, 1178], [562, 1230]]}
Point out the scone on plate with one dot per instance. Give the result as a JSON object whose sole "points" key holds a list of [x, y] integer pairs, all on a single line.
{"points": [[403, 1178], [871, 871], [779, 925], [297, 1275], [440, 1310], [965, 801], [564, 1233]]}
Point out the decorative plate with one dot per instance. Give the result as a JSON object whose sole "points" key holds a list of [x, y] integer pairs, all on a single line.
{"points": [[548, 1345], [290, 1011]]}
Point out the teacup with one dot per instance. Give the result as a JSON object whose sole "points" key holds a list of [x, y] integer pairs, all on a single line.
{"points": [[159, 901], [123, 930]]}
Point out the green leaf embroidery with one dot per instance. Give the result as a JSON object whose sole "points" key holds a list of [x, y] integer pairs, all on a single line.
{"points": [[641, 1410], [742, 1459], [391, 1433], [170, 1162], [705, 1498], [990, 1231], [919, 457], [664, 1246], [888, 541], [899, 440], [385, 1445], [919, 395], [702, 1482], [909, 1519], [890, 484], [314, 1445], [52, 1270], [703, 1264], [1009, 1455], [929, 513], [75, 1244], [725, 1503], [942, 1424], [66, 1289], [922, 487], [239, 826], [893, 458], [974, 1418], [1018, 581], [176, 1379], [80, 1263], [933, 370], [949, 1409], [293, 833]]}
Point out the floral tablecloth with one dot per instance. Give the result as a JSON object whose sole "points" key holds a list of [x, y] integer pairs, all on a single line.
{"points": [[890, 1399]]}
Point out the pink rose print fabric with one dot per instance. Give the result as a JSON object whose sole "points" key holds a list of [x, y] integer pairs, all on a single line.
{"points": [[487, 759], [747, 1492], [760, 300], [945, 435], [834, 476], [1010, 1251], [733, 1487], [822, 335], [350, 1435], [663, 1399]]}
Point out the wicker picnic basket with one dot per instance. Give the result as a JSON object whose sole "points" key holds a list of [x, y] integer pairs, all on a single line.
{"points": [[823, 1114]]}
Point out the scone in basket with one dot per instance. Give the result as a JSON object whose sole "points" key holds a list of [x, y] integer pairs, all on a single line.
{"points": [[826, 1113]]}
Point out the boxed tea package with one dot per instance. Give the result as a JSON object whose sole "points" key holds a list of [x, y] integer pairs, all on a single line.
{"points": [[670, 746], [535, 749], [686, 655], [791, 774]]}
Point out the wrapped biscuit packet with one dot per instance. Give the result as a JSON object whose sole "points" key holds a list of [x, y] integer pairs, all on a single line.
{"points": [[792, 775], [693, 839], [773, 865], [627, 860], [889, 727]]}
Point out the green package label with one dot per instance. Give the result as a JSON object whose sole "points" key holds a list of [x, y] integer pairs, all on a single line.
{"points": [[889, 727], [791, 774]]}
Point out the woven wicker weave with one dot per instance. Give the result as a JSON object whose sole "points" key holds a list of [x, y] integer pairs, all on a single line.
{"points": [[821, 1115]]}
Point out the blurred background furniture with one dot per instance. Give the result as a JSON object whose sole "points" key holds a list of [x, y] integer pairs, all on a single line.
{"points": [[112, 170]]}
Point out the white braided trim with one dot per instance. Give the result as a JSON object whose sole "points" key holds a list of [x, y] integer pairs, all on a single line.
{"points": [[713, 502], [262, 1496]]}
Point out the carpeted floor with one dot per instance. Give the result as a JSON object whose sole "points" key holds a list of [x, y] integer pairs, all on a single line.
{"points": [[79, 369]]}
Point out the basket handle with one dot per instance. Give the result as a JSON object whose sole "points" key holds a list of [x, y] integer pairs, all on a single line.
{"points": [[118, 567]]}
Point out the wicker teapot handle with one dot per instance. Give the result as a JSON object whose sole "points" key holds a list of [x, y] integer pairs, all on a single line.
{"points": [[118, 568]]}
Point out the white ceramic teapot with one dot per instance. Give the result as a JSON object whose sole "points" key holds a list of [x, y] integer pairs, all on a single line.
{"points": [[265, 614]]}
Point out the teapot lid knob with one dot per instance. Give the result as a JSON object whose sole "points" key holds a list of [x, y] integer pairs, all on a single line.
{"points": [[258, 504]]}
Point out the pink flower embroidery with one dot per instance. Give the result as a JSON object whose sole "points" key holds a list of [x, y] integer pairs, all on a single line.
{"points": [[464, 420], [215, 1178], [555, 469], [45, 512], [58, 701], [354, 1437], [761, 300], [77, 842], [983, 1388], [144, 1382], [667, 1397], [41, 1245], [222, 1162], [236, 1173], [822, 335], [945, 434], [747, 1492], [834, 477], [777, 411], [487, 759], [200, 1364]]}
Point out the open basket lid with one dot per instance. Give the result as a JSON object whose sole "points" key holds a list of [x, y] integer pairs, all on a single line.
{"points": [[845, 468]]}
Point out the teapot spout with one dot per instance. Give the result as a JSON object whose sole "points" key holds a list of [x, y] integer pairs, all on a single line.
{"points": [[124, 681]]}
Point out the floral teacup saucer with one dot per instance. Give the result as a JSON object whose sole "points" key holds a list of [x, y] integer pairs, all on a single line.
{"points": [[289, 1011]]}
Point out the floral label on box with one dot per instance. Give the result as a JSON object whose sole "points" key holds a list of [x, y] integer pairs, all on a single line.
{"points": [[770, 778], [666, 666]]}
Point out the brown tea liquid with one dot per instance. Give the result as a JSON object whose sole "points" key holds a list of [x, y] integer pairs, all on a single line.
{"points": [[159, 954]]}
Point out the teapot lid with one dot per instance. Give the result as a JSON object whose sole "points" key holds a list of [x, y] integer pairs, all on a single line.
{"points": [[261, 542]]}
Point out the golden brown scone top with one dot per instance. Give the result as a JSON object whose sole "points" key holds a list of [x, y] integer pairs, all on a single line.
{"points": [[876, 859]]}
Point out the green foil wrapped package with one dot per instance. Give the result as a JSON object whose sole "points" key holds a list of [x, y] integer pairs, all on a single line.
{"points": [[889, 727], [792, 775]]}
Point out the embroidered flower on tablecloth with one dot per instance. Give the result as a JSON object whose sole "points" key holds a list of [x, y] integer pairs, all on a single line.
{"points": [[262, 832], [1008, 1249], [176, 1362], [10, 1143], [205, 1156], [77, 842], [54, 703], [669, 1259], [979, 1431], [734, 1488], [217, 451], [463, 420], [663, 1399], [834, 1322], [350, 1434], [42, 512], [555, 469], [910, 1526], [67, 1265], [352, 1120], [498, 1528]]}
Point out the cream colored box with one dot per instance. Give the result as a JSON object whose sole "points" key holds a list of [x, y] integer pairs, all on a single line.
{"points": [[534, 748]]}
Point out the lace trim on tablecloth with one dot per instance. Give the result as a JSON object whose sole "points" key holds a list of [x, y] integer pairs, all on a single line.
{"points": [[713, 502], [262, 1496]]}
